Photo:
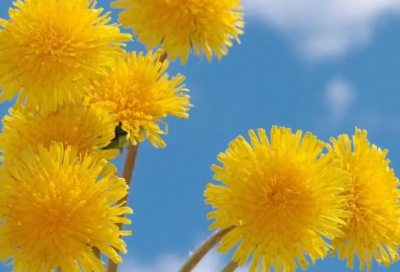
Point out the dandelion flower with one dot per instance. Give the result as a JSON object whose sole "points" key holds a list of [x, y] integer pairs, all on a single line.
{"points": [[54, 209], [282, 199], [86, 128], [182, 26], [140, 94], [49, 49], [373, 232]]}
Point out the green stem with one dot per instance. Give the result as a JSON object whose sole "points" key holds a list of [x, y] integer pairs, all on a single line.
{"points": [[203, 249]]}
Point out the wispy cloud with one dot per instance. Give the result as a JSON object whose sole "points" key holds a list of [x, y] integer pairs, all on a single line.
{"points": [[339, 96], [324, 29], [169, 262]]}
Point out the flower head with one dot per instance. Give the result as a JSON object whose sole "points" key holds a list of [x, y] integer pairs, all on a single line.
{"points": [[49, 49], [282, 199], [54, 209], [140, 94], [181, 26], [87, 129], [373, 232]]}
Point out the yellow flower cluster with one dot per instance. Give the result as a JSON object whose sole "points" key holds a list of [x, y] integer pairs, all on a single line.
{"points": [[59, 195], [284, 200], [78, 93]]}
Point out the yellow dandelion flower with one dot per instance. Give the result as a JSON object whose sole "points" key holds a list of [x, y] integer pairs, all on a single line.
{"points": [[373, 232], [282, 199], [49, 49], [54, 209], [140, 94], [88, 129], [182, 26]]}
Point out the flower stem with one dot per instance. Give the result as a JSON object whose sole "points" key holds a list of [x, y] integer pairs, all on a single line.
{"points": [[230, 267], [129, 167], [203, 249]]}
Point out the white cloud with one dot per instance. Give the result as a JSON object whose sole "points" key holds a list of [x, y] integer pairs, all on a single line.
{"points": [[325, 28], [212, 262], [339, 96]]}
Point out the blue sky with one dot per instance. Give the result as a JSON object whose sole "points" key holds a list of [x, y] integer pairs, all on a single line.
{"points": [[324, 68]]}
